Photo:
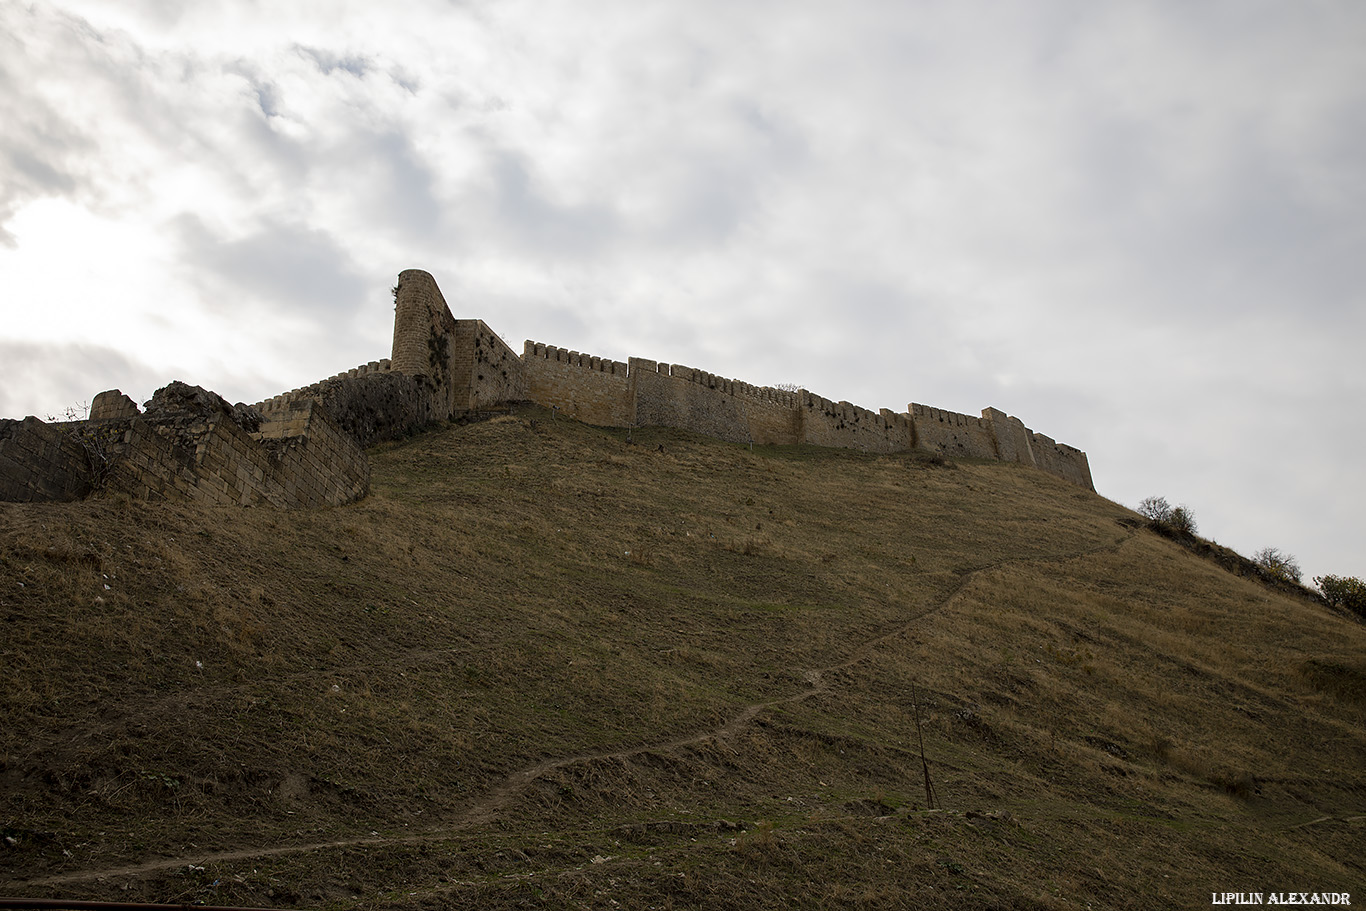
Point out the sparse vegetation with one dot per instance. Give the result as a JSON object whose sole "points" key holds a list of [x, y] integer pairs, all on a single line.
{"points": [[542, 668], [1343, 591], [1278, 563], [97, 442], [1178, 520], [1156, 509], [1183, 521]]}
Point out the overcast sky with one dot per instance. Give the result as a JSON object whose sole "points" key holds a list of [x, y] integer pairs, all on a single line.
{"points": [[1138, 226]]}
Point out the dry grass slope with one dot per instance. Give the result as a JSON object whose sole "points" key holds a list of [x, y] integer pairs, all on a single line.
{"points": [[544, 667]]}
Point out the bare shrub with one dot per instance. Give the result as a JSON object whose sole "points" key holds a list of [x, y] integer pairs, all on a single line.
{"points": [[1278, 563], [1160, 513], [97, 441], [1155, 509], [1183, 520]]}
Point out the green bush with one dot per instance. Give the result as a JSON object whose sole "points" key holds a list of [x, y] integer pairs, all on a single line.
{"points": [[1344, 591]]}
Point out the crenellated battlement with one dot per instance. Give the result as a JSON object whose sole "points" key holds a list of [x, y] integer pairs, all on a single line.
{"points": [[573, 358], [285, 399], [942, 416]]}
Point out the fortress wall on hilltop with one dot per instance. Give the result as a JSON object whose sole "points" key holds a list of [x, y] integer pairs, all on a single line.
{"points": [[845, 425], [1062, 460], [466, 366], [424, 336], [1017, 443], [484, 369], [304, 447], [674, 395], [371, 402], [645, 392], [952, 434], [463, 362], [772, 420], [590, 389], [278, 402], [1012, 437], [687, 398]]}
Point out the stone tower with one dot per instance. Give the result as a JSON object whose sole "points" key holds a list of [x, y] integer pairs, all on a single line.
{"points": [[420, 313]]}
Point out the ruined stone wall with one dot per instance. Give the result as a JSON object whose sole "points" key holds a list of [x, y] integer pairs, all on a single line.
{"points": [[214, 462], [189, 445], [317, 462], [371, 402], [300, 458], [41, 462], [112, 404], [590, 389], [157, 462]]}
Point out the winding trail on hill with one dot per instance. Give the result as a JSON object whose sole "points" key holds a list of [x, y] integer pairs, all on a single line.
{"points": [[485, 809]]}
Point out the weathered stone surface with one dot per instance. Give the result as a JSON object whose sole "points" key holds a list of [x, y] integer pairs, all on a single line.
{"points": [[248, 417], [380, 406], [189, 445], [180, 401], [645, 392], [112, 405], [42, 462]]}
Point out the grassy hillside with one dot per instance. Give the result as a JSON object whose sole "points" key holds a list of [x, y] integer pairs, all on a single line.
{"points": [[544, 666]]}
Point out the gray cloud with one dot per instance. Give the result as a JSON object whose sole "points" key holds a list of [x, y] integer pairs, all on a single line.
{"points": [[69, 376], [399, 188], [328, 61], [528, 213], [40, 147], [289, 266]]}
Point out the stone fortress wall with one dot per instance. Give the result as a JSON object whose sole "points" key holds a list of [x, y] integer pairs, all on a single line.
{"points": [[642, 392], [305, 447]]}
